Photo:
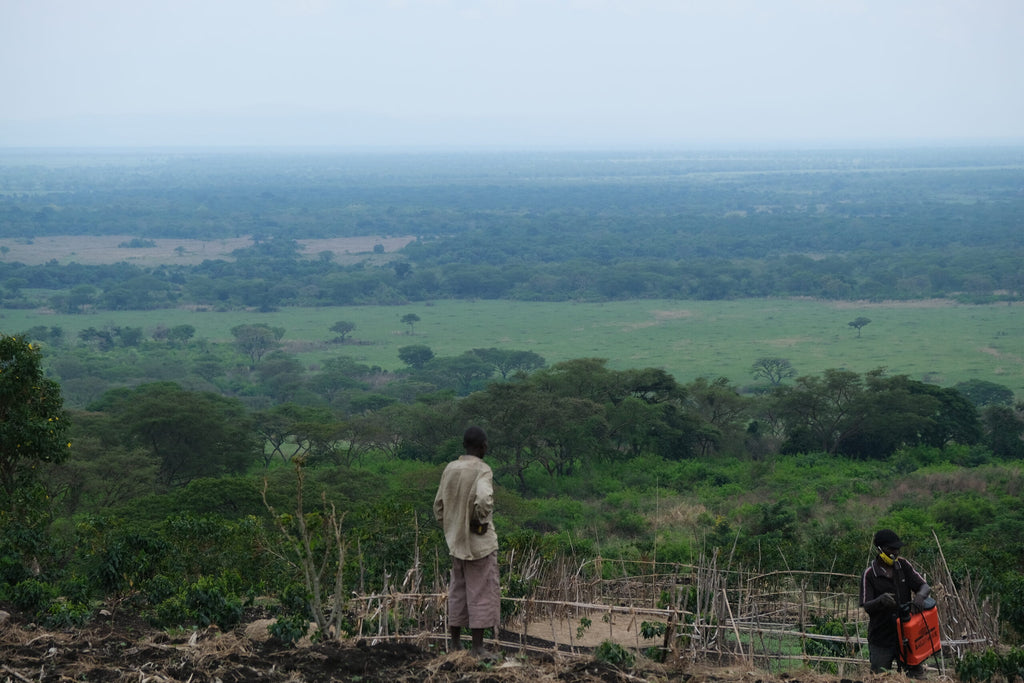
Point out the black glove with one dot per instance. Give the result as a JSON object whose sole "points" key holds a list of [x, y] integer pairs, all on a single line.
{"points": [[887, 600]]}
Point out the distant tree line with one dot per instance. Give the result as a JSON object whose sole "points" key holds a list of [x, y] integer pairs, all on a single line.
{"points": [[270, 282], [842, 225]]}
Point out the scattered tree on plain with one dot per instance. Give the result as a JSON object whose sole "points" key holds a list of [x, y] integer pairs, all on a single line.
{"points": [[256, 340], [410, 319], [858, 323], [342, 328]]}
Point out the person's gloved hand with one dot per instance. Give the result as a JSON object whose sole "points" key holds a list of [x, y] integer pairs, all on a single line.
{"points": [[887, 600]]}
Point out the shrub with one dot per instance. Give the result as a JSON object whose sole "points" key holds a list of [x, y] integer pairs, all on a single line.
{"points": [[63, 613], [32, 596], [207, 601], [211, 601], [293, 620], [614, 654]]}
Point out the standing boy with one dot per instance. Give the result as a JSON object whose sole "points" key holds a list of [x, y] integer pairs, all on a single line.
{"points": [[464, 506]]}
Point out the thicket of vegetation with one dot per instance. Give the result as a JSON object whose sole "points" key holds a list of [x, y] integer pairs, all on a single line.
{"points": [[184, 503]]}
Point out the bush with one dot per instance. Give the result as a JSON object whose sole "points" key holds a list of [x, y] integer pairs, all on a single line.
{"points": [[208, 601], [211, 601], [614, 654], [62, 613], [981, 667], [32, 596], [293, 620]]}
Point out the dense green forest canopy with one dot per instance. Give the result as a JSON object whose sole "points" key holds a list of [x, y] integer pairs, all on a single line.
{"points": [[871, 224]]}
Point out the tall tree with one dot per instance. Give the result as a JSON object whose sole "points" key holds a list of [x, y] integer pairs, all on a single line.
{"points": [[256, 340], [410, 319], [191, 434], [508, 361], [773, 369], [984, 393], [342, 328], [33, 423], [858, 323], [820, 413], [415, 355]]}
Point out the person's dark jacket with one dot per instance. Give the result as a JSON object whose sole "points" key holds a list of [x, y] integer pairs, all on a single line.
{"points": [[901, 581]]}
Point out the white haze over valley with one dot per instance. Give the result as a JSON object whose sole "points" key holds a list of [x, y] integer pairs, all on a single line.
{"points": [[509, 73]]}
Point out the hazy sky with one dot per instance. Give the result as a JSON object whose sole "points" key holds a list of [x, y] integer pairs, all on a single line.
{"points": [[567, 73]]}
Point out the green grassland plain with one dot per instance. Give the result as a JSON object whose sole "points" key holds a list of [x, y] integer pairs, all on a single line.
{"points": [[935, 341]]}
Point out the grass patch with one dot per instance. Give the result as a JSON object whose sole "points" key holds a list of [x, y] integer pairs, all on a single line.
{"points": [[942, 343]]}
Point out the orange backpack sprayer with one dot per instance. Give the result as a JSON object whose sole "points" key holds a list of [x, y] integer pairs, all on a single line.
{"points": [[918, 629]]}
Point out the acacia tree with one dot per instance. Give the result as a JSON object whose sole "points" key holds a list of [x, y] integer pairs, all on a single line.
{"points": [[410, 319], [256, 340], [820, 413], [858, 323], [773, 369], [507, 361], [415, 355], [342, 328], [461, 372], [32, 423], [191, 434]]}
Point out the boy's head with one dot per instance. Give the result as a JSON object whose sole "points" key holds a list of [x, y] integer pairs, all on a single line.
{"points": [[475, 441]]}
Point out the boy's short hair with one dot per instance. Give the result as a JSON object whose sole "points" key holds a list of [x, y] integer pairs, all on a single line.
{"points": [[474, 438]]}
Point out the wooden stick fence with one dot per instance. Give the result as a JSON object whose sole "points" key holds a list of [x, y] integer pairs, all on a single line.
{"points": [[698, 612]]}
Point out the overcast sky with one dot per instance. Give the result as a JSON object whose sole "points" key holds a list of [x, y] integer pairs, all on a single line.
{"points": [[520, 73]]}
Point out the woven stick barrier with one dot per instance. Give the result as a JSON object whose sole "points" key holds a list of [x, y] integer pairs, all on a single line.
{"points": [[684, 612]]}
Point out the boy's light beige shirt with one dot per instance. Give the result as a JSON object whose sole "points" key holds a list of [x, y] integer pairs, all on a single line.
{"points": [[466, 493]]}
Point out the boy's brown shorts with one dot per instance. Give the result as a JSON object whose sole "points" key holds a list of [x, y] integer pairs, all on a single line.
{"points": [[474, 595]]}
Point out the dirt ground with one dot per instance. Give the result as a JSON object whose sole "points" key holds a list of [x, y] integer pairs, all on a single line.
{"points": [[119, 647], [104, 249]]}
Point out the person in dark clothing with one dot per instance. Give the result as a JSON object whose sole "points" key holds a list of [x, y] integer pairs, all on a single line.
{"points": [[889, 583]]}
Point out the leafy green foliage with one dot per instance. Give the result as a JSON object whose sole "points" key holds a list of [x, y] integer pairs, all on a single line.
{"points": [[614, 654], [33, 424], [293, 619], [829, 648], [210, 600], [991, 665], [191, 434], [585, 624]]}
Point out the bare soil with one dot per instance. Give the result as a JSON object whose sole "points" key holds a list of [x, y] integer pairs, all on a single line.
{"points": [[120, 647], [105, 249]]}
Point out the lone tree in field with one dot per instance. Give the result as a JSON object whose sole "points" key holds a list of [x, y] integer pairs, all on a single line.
{"points": [[342, 328], [410, 319], [859, 323], [773, 369]]}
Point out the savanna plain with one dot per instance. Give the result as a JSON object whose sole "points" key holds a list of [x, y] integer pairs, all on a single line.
{"points": [[708, 376]]}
